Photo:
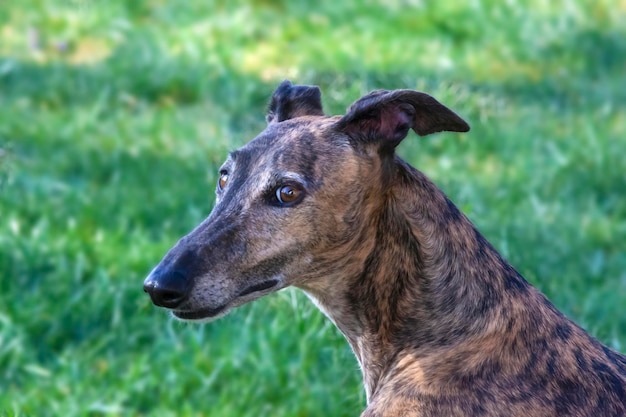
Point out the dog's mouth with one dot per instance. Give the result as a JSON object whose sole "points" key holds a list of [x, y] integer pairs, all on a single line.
{"points": [[202, 314], [212, 313], [262, 286]]}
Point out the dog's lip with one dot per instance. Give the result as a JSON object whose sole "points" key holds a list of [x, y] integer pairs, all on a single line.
{"points": [[214, 312], [203, 313], [261, 286]]}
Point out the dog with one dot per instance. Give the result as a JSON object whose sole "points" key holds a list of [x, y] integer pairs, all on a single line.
{"points": [[440, 323]]}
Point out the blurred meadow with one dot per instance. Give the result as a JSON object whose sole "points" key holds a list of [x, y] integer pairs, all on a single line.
{"points": [[115, 115]]}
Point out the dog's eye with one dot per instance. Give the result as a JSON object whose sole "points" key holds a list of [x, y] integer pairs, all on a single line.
{"points": [[221, 183], [288, 194]]}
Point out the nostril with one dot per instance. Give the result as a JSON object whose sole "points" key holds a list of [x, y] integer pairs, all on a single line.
{"points": [[167, 289], [168, 298]]}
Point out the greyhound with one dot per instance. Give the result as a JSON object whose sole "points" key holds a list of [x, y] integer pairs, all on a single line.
{"points": [[439, 322]]}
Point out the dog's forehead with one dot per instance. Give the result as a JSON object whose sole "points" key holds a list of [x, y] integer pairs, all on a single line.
{"points": [[292, 141], [305, 131]]}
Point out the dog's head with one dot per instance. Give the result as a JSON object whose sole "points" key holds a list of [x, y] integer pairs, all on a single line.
{"points": [[293, 203]]}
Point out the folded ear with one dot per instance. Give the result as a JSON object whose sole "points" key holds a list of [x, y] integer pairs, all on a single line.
{"points": [[386, 117], [289, 101]]}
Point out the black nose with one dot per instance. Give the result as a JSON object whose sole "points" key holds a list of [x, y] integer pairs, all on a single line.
{"points": [[167, 288]]}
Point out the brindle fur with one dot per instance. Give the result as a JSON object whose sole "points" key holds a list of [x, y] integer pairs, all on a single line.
{"points": [[440, 324]]}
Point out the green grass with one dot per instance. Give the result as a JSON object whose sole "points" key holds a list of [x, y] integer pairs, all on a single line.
{"points": [[114, 117]]}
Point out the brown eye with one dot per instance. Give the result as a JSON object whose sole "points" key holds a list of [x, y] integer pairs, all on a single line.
{"points": [[223, 180], [288, 194]]}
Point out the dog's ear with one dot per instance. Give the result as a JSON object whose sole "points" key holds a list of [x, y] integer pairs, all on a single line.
{"points": [[289, 101], [386, 117]]}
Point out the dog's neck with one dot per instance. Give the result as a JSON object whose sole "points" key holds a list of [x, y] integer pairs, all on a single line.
{"points": [[427, 280]]}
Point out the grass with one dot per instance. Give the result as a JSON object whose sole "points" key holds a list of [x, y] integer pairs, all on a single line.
{"points": [[114, 117]]}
